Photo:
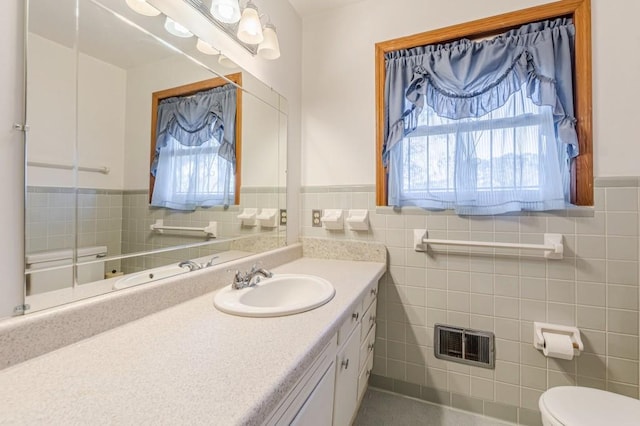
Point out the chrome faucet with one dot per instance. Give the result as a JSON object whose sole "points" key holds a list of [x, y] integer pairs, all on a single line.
{"points": [[251, 278], [194, 266], [190, 264], [210, 262]]}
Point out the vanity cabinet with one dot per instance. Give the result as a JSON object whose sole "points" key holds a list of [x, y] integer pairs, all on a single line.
{"points": [[354, 360], [310, 401], [315, 410], [329, 393]]}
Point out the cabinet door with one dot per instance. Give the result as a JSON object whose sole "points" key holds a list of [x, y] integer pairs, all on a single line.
{"points": [[363, 379], [346, 392], [368, 320], [316, 410], [367, 346]]}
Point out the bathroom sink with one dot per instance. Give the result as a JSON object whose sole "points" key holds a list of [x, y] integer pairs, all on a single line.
{"points": [[155, 274], [282, 294]]}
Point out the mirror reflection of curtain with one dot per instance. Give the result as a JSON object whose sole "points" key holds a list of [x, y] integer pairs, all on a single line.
{"points": [[195, 156]]}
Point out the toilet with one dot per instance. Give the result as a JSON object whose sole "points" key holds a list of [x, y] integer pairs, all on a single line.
{"points": [[49, 280], [581, 406]]}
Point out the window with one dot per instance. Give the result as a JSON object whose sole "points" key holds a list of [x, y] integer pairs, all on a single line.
{"points": [[196, 141], [473, 163], [466, 154]]}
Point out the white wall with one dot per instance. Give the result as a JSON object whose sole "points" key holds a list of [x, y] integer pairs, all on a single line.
{"points": [[51, 111], [338, 145], [101, 120], [54, 119]]}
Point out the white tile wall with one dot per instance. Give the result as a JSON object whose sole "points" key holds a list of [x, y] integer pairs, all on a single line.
{"points": [[120, 220], [594, 287]]}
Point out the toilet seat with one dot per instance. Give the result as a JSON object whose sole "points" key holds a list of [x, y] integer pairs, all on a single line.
{"points": [[581, 406]]}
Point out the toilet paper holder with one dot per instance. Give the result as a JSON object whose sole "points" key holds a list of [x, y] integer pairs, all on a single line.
{"points": [[543, 327]]}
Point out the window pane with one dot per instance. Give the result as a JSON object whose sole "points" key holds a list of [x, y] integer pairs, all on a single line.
{"points": [[500, 149]]}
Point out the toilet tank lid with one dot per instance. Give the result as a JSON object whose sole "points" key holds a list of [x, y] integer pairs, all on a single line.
{"points": [[62, 254], [48, 256], [91, 251], [577, 405]]}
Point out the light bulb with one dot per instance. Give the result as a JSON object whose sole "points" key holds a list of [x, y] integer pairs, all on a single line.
{"points": [[142, 7], [250, 28], [176, 29], [269, 48], [206, 48], [227, 11]]}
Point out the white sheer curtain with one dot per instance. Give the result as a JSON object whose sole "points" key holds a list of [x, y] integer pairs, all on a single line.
{"points": [[190, 176], [506, 160]]}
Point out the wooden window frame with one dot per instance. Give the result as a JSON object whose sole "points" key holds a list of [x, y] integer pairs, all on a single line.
{"points": [[192, 89], [579, 11]]}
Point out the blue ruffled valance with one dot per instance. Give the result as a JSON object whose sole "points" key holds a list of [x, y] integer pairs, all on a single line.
{"points": [[194, 120], [466, 79]]}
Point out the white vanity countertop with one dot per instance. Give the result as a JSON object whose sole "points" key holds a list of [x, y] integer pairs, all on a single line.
{"points": [[186, 364]]}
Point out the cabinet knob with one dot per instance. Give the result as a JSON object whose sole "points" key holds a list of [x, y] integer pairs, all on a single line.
{"points": [[368, 373], [355, 315], [370, 347], [372, 319], [374, 291], [345, 363]]}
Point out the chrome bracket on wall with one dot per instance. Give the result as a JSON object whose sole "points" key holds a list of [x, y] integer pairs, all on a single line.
{"points": [[21, 127], [21, 309]]}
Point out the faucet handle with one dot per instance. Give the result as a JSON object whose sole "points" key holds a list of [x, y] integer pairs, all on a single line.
{"points": [[189, 264], [238, 279]]}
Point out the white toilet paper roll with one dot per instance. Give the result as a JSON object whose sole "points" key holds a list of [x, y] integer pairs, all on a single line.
{"points": [[557, 346]]}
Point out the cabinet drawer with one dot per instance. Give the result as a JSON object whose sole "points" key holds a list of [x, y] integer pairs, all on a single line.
{"points": [[363, 378], [349, 324], [370, 296], [367, 346], [368, 320]]}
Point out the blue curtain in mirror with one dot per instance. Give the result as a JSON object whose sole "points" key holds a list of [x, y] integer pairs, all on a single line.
{"points": [[457, 104], [195, 158]]}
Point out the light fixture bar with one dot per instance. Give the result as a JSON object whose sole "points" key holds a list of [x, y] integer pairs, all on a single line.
{"points": [[230, 29]]}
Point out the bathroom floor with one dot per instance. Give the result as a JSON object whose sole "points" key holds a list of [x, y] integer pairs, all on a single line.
{"points": [[380, 408]]}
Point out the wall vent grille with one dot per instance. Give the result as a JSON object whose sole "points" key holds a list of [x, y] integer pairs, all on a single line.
{"points": [[465, 346]]}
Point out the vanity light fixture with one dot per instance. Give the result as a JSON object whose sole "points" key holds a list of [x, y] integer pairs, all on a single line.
{"points": [[176, 29], [142, 7], [241, 24], [227, 11], [269, 48], [206, 48], [250, 27]]}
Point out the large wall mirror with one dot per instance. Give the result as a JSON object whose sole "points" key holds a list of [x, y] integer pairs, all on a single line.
{"points": [[92, 68]]}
